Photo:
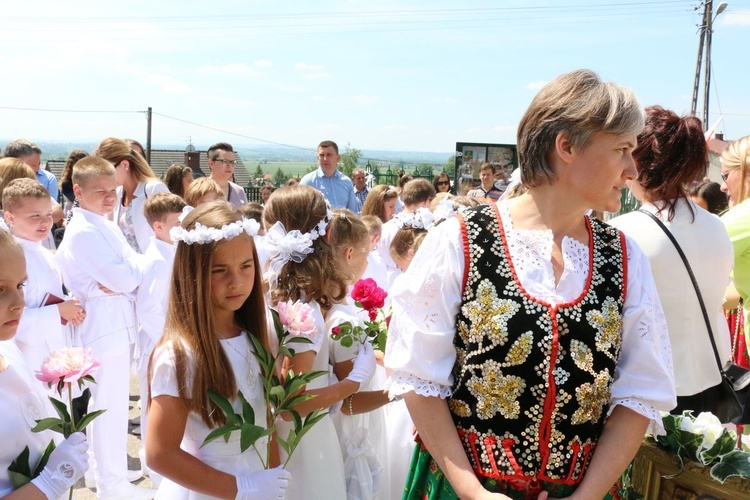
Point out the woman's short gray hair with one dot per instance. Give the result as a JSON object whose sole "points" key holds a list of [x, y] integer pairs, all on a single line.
{"points": [[578, 104]]}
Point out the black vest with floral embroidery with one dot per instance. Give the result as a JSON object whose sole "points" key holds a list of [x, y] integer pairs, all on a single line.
{"points": [[532, 380]]}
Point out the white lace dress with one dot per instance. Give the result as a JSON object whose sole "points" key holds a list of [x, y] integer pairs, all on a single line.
{"points": [[421, 352], [316, 465], [362, 437]]}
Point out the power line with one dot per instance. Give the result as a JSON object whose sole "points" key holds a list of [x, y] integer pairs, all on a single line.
{"points": [[70, 110]]}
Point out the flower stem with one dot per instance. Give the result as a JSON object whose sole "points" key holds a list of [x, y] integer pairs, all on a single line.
{"points": [[70, 406]]}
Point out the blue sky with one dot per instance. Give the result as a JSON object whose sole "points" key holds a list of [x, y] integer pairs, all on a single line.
{"points": [[396, 75]]}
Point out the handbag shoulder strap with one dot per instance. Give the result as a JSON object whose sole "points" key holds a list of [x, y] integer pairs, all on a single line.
{"points": [[695, 285]]}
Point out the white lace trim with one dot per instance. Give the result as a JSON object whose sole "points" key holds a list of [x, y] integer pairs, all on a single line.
{"points": [[400, 383], [533, 248], [655, 425]]}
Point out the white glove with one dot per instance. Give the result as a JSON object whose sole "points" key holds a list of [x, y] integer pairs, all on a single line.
{"points": [[268, 484], [66, 465], [364, 364]]}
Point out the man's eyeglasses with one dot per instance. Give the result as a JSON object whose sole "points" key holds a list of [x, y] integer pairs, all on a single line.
{"points": [[725, 175], [444, 183], [226, 162]]}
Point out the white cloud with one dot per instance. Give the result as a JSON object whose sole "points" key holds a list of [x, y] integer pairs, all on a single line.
{"points": [[473, 130], [230, 69], [365, 100], [536, 85], [262, 63], [311, 71], [168, 84], [318, 98], [451, 100], [736, 17]]}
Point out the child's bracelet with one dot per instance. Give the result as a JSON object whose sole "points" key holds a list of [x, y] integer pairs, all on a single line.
{"points": [[351, 411]]}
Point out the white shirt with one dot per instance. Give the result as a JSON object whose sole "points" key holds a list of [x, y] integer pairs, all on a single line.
{"points": [[94, 252], [427, 298], [711, 256], [151, 297], [40, 331]]}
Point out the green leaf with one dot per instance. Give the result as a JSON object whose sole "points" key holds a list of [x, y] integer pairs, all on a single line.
{"points": [[87, 419], [225, 406], [44, 424], [734, 463], [44, 459], [249, 434], [347, 341], [726, 443], [277, 392], [284, 445], [298, 340], [248, 414], [219, 432], [21, 464], [61, 409], [278, 326]]}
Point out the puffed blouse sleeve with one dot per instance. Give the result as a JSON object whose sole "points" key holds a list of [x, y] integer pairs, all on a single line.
{"points": [[644, 376], [164, 380], [426, 300]]}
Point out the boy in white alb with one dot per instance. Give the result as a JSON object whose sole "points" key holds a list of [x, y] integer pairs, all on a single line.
{"points": [[28, 212], [103, 271], [162, 211]]}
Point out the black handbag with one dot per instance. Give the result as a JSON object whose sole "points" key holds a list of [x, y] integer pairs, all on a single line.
{"points": [[730, 405]]}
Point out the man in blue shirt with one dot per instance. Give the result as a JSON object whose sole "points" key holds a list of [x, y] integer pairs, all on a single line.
{"points": [[360, 188], [31, 155], [335, 186]]}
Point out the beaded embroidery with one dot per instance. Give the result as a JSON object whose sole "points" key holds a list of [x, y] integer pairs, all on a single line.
{"points": [[533, 381]]}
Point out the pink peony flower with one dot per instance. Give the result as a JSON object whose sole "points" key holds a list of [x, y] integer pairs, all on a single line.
{"points": [[367, 293], [297, 318], [68, 365], [373, 314]]}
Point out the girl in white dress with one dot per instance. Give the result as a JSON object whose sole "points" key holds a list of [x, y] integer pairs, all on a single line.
{"points": [[23, 400], [361, 426], [216, 303], [302, 266]]}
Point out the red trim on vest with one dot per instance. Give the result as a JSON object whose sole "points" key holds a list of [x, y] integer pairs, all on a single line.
{"points": [[467, 259]]}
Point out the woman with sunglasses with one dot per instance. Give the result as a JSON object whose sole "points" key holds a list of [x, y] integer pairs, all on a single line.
{"points": [[441, 183], [735, 177]]}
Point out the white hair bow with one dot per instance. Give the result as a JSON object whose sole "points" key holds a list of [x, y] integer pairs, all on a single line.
{"points": [[284, 246]]}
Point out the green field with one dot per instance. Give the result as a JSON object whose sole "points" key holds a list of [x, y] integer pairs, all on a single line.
{"points": [[290, 168]]}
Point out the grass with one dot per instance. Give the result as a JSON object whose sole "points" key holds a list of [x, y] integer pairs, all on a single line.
{"points": [[290, 168]]}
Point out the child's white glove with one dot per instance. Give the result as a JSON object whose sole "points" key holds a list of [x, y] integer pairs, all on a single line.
{"points": [[364, 364], [268, 484], [66, 465]]}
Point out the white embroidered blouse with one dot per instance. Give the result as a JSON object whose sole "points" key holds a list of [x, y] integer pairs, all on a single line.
{"points": [[427, 298]]}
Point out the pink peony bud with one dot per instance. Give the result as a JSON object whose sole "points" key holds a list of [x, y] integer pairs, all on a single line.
{"points": [[68, 364], [297, 318]]}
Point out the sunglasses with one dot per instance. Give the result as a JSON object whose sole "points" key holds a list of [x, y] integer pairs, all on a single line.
{"points": [[444, 183]]}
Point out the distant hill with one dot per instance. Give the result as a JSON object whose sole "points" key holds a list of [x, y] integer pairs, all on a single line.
{"points": [[61, 150]]}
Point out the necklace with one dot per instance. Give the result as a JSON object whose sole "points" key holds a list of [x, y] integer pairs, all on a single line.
{"points": [[250, 377]]}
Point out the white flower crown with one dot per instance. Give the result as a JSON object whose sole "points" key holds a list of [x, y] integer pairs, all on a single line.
{"points": [[202, 234], [421, 219]]}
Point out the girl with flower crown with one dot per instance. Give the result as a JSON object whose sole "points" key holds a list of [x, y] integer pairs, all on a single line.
{"points": [[216, 303], [302, 266]]}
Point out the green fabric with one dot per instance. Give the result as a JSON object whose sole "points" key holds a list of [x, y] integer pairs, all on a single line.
{"points": [[427, 482], [737, 222]]}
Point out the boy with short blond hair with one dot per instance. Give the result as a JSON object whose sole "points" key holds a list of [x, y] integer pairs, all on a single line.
{"points": [[28, 212], [103, 271], [203, 190], [162, 211]]}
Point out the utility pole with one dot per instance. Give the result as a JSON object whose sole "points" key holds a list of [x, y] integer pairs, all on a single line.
{"points": [[706, 31], [148, 135]]}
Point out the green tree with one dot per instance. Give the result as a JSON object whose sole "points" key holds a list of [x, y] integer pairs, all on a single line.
{"points": [[450, 166], [311, 168], [279, 178], [258, 176], [349, 160]]}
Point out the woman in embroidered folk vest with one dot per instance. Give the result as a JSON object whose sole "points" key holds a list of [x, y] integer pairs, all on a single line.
{"points": [[529, 342]]}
